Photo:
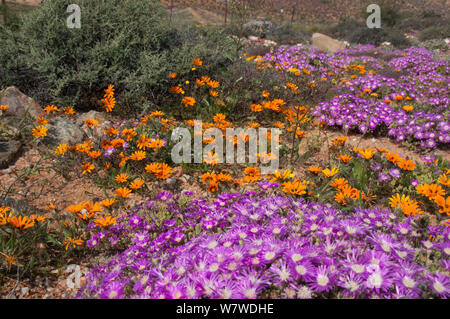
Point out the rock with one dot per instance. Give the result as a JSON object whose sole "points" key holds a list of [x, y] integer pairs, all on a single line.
{"points": [[253, 38], [324, 43], [269, 43], [97, 131], [257, 25], [20, 206], [24, 291], [63, 131], [18, 103], [10, 151]]}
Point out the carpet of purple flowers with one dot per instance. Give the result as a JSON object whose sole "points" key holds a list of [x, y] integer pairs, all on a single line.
{"points": [[263, 245], [404, 93]]}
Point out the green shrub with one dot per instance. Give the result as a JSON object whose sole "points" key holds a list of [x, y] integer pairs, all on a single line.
{"points": [[124, 42]]}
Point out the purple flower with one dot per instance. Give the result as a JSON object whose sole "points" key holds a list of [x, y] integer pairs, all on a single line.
{"points": [[395, 172], [383, 178]]}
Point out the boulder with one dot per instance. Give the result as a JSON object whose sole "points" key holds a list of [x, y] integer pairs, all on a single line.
{"points": [[18, 103], [10, 151], [62, 131], [324, 43]]}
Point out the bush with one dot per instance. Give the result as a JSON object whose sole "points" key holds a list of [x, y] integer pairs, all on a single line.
{"points": [[435, 32], [125, 42], [356, 32]]}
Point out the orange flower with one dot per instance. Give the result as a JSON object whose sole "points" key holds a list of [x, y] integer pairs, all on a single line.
{"points": [[50, 108], [296, 187], [91, 122], [3, 107], [224, 178], [345, 158], [108, 202], [72, 241], [339, 183], [209, 177], [111, 131], [109, 103], [256, 107], [123, 192], [393, 158], [213, 84], [164, 172], [173, 75], [197, 62], [252, 174], [129, 133], [87, 168], [330, 173], [199, 82], [314, 169], [137, 184], [21, 222], [213, 187], [121, 178], [105, 222], [40, 131], [431, 191], [94, 154], [157, 144], [407, 165], [367, 153], [188, 101], [444, 204], [61, 149], [69, 110], [176, 90], [138, 156], [42, 120], [408, 108], [265, 94], [213, 93], [444, 180]]}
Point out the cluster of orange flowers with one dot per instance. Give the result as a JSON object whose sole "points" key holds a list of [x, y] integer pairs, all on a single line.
{"points": [[344, 191], [85, 211], [406, 165], [109, 101], [296, 187], [3, 107], [407, 205], [338, 142], [212, 180], [17, 221], [160, 170], [40, 131], [436, 193]]}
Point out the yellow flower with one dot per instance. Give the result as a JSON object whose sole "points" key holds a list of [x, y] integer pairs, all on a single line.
{"points": [[330, 173], [3, 107], [40, 131]]}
